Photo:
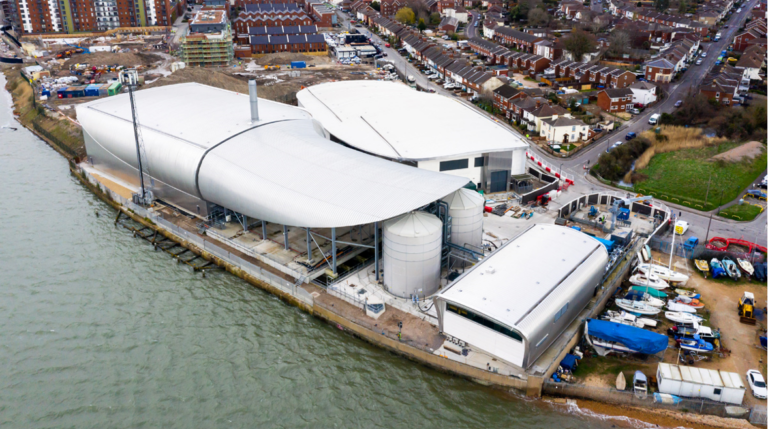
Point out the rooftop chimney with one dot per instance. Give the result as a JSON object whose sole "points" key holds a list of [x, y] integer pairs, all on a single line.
{"points": [[253, 95]]}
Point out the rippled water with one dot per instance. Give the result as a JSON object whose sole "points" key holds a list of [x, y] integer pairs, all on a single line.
{"points": [[97, 330]]}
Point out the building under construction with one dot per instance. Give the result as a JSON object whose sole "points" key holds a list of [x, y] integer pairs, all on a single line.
{"points": [[209, 40]]}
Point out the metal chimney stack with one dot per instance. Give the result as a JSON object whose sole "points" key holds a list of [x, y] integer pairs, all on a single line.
{"points": [[253, 94]]}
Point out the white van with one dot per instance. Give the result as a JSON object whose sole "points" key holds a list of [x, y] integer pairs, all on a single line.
{"points": [[654, 119]]}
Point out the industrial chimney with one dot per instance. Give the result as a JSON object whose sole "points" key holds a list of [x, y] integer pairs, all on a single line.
{"points": [[253, 94]]}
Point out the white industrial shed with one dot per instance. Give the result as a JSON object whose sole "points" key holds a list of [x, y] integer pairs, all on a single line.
{"points": [[429, 131], [519, 300], [691, 382], [201, 146]]}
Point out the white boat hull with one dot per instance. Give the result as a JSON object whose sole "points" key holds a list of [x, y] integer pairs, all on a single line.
{"points": [[653, 283], [682, 308], [639, 307], [663, 273], [679, 317]]}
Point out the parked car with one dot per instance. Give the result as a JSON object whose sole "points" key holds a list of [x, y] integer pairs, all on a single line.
{"points": [[678, 103], [698, 62], [411, 79], [388, 45], [613, 146], [542, 84], [654, 119], [756, 383], [703, 55], [446, 37], [630, 135], [635, 111]]}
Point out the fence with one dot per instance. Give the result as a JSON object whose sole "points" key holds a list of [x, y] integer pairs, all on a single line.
{"points": [[55, 140], [352, 299], [700, 251], [622, 397]]}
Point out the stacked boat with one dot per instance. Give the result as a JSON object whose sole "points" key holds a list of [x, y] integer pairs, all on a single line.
{"points": [[608, 337]]}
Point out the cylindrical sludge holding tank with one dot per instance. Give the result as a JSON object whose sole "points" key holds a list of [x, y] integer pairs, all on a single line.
{"points": [[412, 247], [465, 207]]}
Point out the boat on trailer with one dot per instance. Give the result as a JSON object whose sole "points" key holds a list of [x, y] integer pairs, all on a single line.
{"points": [[687, 293], [608, 337], [695, 344], [649, 281], [731, 269], [652, 292], [663, 273], [703, 266]]}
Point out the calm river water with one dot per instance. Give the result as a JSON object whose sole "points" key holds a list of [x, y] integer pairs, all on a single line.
{"points": [[98, 331]]}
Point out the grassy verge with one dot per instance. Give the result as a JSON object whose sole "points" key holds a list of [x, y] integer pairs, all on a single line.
{"points": [[741, 212], [682, 176], [31, 114]]}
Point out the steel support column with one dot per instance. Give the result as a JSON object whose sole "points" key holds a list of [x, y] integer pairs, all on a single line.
{"points": [[285, 236], [309, 247], [333, 248], [376, 248], [263, 230]]}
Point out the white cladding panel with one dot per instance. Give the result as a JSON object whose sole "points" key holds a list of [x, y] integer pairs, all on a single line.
{"points": [[412, 247], [465, 207], [485, 339]]}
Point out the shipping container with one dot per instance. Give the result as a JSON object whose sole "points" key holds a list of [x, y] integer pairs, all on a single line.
{"points": [[115, 88], [104, 89], [298, 64], [92, 90], [72, 92]]}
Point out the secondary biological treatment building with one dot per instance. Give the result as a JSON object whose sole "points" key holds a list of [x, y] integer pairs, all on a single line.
{"points": [[518, 301], [428, 131]]}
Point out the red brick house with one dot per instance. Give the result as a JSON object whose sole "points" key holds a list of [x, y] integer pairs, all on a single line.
{"points": [[615, 100], [503, 96], [659, 71], [390, 7], [517, 39]]}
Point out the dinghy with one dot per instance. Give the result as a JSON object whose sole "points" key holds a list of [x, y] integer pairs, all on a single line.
{"points": [[652, 292], [663, 273], [731, 269], [676, 306], [680, 317], [621, 381], [703, 266], [639, 307], [652, 281], [717, 268], [687, 293], [746, 267], [666, 398], [691, 302]]}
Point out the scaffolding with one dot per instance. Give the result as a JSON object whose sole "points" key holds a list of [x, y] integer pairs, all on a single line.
{"points": [[203, 49]]}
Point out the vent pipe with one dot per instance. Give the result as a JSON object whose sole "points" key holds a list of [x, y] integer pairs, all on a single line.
{"points": [[253, 95]]}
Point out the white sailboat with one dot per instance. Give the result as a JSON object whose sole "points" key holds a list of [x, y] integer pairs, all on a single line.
{"points": [[682, 308], [662, 272], [651, 281], [680, 317], [629, 319], [640, 307]]}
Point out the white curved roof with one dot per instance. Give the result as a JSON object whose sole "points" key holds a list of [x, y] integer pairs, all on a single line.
{"points": [[200, 140], [394, 121]]}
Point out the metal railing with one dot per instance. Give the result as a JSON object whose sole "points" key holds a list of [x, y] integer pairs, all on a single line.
{"points": [[265, 258]]}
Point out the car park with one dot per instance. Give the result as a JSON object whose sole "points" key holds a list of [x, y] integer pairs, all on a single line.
{"points": [[756, 383]]}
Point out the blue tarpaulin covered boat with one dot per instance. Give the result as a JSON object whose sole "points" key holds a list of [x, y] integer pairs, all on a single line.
{"points": [[634, 339]]}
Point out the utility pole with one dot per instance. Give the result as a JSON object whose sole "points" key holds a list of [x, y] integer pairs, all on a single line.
{"points": [[136, 137]]}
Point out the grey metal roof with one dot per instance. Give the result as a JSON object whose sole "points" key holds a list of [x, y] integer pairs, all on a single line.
{"points": [[280, 169]]}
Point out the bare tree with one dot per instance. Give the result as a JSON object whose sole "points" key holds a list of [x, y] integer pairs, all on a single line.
{"points": [[579, 43], [537, 17], [619, 40]]}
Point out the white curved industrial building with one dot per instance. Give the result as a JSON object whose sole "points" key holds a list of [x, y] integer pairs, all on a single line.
{"points": [[200, 146], [429, 131], [519, 300]]}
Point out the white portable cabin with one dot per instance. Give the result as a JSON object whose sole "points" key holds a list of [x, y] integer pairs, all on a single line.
{"points": [[690, 382]]}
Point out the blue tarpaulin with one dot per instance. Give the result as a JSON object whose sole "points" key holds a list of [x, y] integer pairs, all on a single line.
{"points": [[569, 362], [607, 243], [637, 339]]}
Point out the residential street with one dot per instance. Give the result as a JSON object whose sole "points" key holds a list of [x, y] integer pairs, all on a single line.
{"points": [[754, 231]]}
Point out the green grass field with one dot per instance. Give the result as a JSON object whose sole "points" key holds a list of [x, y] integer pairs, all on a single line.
{"points": [[681, 177], [741, 212]]}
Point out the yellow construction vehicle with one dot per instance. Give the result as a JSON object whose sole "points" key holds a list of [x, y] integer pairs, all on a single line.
{"points": [[747, 308]]}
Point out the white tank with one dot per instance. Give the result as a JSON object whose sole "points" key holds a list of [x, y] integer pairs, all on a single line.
{"points": [[466, 208], [411, 247]]}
